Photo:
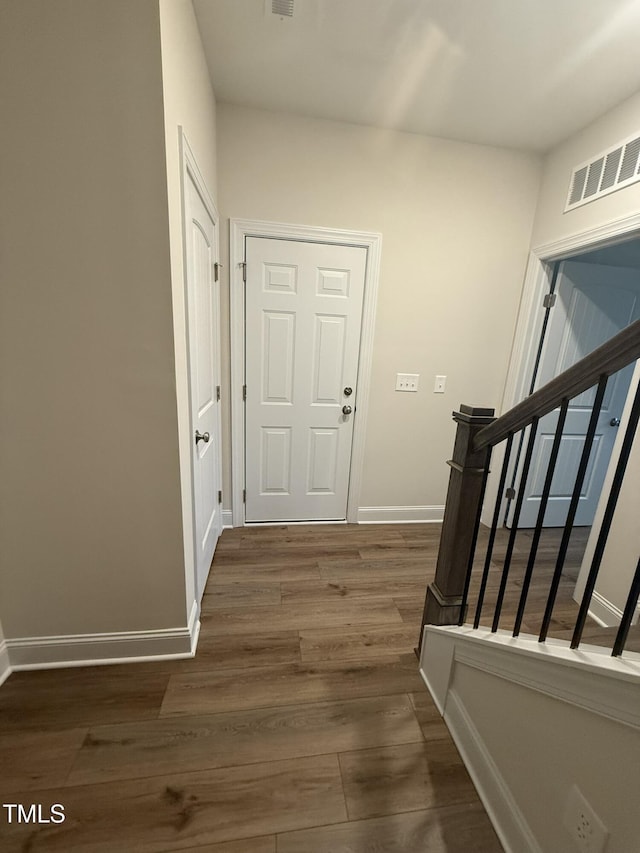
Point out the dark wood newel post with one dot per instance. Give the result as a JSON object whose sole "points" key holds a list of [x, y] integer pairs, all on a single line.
{"points": [[444, 595]]}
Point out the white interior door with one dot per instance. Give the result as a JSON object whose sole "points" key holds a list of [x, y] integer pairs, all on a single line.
{"points": [[204, 362], [302, 331], [594, 303]]}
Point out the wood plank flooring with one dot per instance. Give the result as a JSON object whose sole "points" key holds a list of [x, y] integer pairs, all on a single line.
{"points": [[301, 726]]}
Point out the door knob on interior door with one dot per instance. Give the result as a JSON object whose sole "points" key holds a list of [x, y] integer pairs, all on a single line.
{"points": [[346, 410], [614, 422], [202, 436]]}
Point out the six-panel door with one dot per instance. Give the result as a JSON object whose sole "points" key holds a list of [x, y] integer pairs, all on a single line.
{"points": [[303, 321]]}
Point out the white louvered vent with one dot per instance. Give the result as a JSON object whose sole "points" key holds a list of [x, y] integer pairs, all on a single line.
{"points": [[611, 170], [284, 8]]}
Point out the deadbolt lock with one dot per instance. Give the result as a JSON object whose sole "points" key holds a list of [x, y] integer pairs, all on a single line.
{"points": [[348, 391]]}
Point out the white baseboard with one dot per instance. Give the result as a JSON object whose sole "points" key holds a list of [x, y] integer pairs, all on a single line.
{"points": [[96, 649], [5, 666], [604, 612], [227, 518], [507, 819], [399, 514]]}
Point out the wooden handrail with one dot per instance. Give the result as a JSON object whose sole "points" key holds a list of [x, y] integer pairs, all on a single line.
{"points": [[612, 356]]}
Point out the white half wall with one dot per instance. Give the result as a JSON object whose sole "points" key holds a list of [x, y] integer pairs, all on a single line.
{"points": [[531, 721]]}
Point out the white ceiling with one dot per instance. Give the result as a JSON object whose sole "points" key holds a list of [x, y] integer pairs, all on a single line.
{"points": [[516, 73]]}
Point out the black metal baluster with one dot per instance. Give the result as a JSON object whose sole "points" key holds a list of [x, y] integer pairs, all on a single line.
{"points": [[573, 508], [627, 616], [514, 528], [544, 499], [492, 532], [607, 519], [474, 541]]}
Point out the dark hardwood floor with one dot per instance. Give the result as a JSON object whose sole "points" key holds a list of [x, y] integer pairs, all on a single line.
{"points": [[301, 726]]}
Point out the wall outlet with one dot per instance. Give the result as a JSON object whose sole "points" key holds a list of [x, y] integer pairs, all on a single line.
{"points": [[586, 829], [439, 384], [407, 381]]}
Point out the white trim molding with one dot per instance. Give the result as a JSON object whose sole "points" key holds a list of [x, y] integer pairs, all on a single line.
{"points": [[531, 315], [239, 230], [5, 665], [603, 611], [110, 648], [400, 514], [507, 819], [588, 678]]}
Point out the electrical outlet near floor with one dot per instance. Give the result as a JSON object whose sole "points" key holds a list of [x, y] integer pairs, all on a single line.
{"points": [[586, 829]]}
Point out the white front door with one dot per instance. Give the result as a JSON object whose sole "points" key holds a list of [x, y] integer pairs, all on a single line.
{"points": [[593, 304], [204, 361], [302, 331]]}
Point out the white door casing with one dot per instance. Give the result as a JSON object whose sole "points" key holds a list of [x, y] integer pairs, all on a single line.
{"points": [[303, 315], [203, 318], [240, 232], [530, 319], [593, 303]]}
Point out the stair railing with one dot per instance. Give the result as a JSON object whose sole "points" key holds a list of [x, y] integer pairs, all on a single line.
{"points": [[478, 433]]}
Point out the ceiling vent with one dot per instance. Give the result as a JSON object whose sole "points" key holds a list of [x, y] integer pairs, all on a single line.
{"points": [[283, 8], [613, 169]]}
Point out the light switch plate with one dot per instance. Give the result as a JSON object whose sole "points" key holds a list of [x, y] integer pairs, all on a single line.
{"points": [[439, 385], [407, 381]]}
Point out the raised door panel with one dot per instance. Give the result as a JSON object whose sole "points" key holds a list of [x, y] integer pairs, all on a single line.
{"points": [[278, 359], [328, 359]]}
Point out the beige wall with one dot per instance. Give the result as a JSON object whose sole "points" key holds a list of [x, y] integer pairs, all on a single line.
{"points": [[552, 224], [189, 103], [90, 511], [456, 224], [621, 555], [622, 550]]}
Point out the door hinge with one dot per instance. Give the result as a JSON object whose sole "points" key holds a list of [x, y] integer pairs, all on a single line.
{"points": [[244, 496], [510, 494], [219, 496], [243, 264], [218, 393], [244, 393], [549, 300], [216, 271]]}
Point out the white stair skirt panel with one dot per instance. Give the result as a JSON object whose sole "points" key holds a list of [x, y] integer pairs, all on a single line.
{"points": [[95, 649], [531, 720], [400, 514]]}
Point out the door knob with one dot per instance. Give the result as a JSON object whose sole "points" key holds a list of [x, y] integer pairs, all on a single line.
{"points": [[202, 436], [614, 422], [346, 410]]}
